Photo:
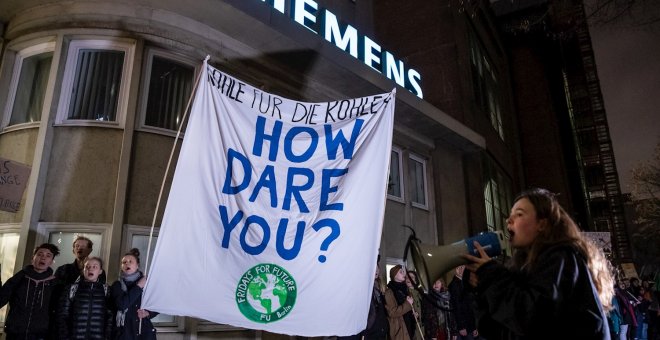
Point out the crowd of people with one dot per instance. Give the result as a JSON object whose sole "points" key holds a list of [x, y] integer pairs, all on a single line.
{"points": [[557, 285], [399, 311], [74, 301], [635, 313]]}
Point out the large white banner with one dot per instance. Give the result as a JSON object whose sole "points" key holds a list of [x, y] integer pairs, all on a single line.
{"points": [[274, 218]]}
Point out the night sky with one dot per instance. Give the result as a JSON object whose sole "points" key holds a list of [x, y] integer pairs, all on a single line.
{"points": [[628, 62]]}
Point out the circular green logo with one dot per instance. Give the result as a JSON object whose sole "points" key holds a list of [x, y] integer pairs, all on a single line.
{"points": [[266, 293]]}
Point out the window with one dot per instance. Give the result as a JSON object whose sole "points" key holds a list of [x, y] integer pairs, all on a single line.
{"points": [[138, 237], [95, 84], [28, 84], [170, 83], [63, 234], [497, 197], [484, 80], [64, 241], [395, 184], [8, 250], [417, 168]]}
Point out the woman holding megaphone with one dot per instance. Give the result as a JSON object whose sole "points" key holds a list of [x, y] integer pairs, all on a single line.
{"points": [[558, 286]]}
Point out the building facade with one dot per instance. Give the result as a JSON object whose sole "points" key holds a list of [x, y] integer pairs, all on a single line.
{"points": [[92, 94], [562, 115]]}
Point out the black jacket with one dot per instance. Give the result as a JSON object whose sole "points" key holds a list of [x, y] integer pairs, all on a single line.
{"points": [[555, 299], [83, 311], [28, 294], [126, 303], [462, 304]]}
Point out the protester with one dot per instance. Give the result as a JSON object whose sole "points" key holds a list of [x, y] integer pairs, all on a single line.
{"points": [[627, 308], [635, 286], [68, 273], [615, 318], [399, 305], [559, 285], [83, 309], [131, 322], [435, 311], [462, 302], [653, 315], [645, 301], [377, 323], [411, 283], [28, 293]]}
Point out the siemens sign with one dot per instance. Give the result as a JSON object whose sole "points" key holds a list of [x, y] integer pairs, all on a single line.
{"points": [[326, 24]]}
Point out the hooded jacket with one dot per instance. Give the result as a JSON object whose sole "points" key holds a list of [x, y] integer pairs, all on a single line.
{"points": [[555, 299], [28, 294]]}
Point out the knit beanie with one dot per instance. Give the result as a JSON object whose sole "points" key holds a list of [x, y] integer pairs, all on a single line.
{"points": [[394, 271]]}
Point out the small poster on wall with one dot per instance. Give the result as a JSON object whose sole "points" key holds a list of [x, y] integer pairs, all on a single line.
{"points": [[629, 270], [13, 180]]}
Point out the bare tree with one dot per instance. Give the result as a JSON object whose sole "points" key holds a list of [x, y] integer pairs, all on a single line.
{"points": [[646, 199], [639, 14]]}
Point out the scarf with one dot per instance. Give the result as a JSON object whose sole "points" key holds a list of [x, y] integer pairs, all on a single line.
{"points": [[400, 290], [129, 278], [123, 280]]}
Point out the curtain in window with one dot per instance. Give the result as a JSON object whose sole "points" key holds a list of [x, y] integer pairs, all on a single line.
{"points": [[497, 197], [8, 251], [170, 86], [31, 89], [394, 185], [419, 190], [95, 92]]}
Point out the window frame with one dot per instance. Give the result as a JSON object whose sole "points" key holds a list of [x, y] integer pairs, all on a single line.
{"points": [[178, 325], [75, 45], [498, 188], [44, 229], [20, 56], [11, 228], [485, 87], [130, 230], [423, 161], [402, 197], [150, 54]]}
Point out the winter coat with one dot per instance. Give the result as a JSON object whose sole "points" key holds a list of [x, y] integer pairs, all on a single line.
{"points": [[28, 294], [377, 323], [614, 316], [126, 303], [84, 312], [462, 303], [627, 307], [395, 313], [435, 306], [554, 299]]}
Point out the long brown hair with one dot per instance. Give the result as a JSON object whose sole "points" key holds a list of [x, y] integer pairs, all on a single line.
{"points": [[561, 229]]}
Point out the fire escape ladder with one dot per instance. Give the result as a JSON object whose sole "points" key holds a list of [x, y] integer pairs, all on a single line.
{"points": [[617, 224]]}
